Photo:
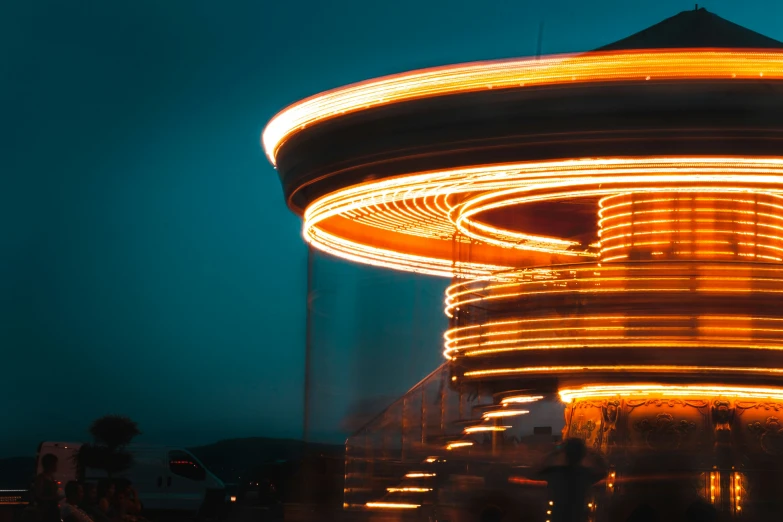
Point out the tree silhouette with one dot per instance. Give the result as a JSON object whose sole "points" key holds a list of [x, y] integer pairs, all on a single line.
{"points": [[114, 431], [111, 434]]}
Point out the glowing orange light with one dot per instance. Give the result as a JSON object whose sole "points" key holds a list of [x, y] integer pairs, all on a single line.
{"points": [[521, 399], [526, 481], [672, 233], [358, 222], [624, 368], [640, 65], [504, 413], [662, 331], [586, 330], [703, 223], [647, 390], [392, 505], [461, 444], [478, 429]]}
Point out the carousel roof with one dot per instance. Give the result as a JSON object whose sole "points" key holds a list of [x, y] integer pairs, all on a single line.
{"points": [[694, 29]]}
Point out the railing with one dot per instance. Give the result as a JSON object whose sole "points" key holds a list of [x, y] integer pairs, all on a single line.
{"points": [[414, 427]]}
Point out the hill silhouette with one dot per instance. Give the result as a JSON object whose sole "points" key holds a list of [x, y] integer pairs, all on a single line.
{"points": [[16, 472], [229, 459]]}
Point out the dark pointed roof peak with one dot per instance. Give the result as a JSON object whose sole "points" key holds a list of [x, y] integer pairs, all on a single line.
{"points": [[694, 29]]}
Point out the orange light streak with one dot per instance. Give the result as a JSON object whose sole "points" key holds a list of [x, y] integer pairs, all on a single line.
{"points": [[657, 324], [660, 390], [392, 505], [521, 399], [596, 67], [637, 221], [628, 342], [652, 209], [671, 279], [504, 413], [479, 429], [621, 368], [489, 187], [527, 482]]}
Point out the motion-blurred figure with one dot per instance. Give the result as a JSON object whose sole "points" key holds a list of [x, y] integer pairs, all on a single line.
{"points": [[643, 513], [89, 504], [45, 492], [570, 473], [126, 506], [71, 512], [126, 497], [701, 511], [105, 495]]}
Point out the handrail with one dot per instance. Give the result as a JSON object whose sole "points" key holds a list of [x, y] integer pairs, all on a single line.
{"points": [[383, 412]]}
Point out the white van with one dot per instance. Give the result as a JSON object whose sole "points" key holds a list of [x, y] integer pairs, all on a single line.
{"points": [[169, 479]]}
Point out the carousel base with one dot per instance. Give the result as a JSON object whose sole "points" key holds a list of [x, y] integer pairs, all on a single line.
{"points": [[673, 448]]}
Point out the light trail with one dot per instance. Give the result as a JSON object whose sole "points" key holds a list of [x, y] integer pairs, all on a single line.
{"points": [[596, 67], [659, 390], [499, 414], [480, 429], [340, 223], [521, 399], [651, 368], [392, 505], [683, 262]]}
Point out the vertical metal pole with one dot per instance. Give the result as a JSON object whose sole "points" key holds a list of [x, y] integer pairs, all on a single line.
{"points": [[495, 423], [306, 481], [444, 375], [404, 428], [459, 411], [308, 345], [423, 417], [540, 42], [414, 342], [369, 459]]}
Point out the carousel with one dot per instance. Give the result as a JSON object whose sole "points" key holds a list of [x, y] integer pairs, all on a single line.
{"points": [[612, 222]]}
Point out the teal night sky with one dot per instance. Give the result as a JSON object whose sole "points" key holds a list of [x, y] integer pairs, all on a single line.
{"points": [[148, 264]]}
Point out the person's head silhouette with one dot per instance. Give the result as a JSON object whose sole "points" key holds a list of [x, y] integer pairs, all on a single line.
{"points": [[74, 493], [49, 463], [700, 511], [574, 450], [643, 513], [492, 514]]}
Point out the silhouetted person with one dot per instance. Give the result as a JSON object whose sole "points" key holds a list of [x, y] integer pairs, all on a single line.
{"points": [[492, 514], [126, 506], [569, 480], [71, 512], [45, 491], [700, 511], [643, 513], [129, 499], [90, 504], [105, 495]]}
